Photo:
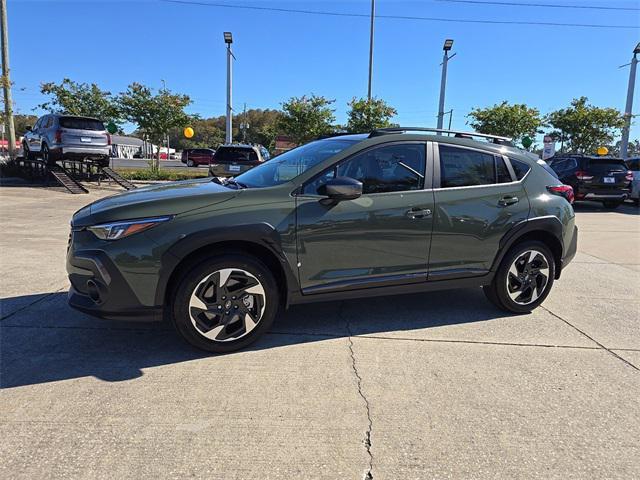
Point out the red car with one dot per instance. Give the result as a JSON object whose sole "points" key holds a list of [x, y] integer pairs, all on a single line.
{"points": [[194, 157]]}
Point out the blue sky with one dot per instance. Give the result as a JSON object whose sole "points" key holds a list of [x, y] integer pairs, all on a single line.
{"points": [[279, 55]]}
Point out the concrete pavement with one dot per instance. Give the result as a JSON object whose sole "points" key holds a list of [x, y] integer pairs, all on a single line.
{"points": [[438, 385]]}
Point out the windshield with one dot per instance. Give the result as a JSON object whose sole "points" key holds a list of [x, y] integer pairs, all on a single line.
{"points": [[289, 165]]}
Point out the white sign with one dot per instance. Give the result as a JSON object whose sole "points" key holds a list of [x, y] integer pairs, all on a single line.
{"points": [[549, 149]]}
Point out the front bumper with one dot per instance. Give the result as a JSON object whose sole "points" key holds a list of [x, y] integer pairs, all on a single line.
{"points": [[98, 288]]}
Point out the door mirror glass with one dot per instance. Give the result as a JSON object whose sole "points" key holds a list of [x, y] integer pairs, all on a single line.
{"points": [[341, 188]]}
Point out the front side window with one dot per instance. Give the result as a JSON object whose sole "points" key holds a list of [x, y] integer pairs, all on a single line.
{"points": [[392, 168], [460, 167]]}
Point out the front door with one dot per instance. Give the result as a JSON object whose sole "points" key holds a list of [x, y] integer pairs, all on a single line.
{"points": [[478, 200], [381, 238]]}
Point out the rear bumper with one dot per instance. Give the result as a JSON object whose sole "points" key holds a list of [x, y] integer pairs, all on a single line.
{"points": [[570, 251], [91, 152], [606, 196]]}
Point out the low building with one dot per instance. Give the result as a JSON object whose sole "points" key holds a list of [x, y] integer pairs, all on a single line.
{"points": [[126, 147]]}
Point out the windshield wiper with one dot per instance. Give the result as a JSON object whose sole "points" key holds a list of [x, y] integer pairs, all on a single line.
{"points": [[237, 184]]}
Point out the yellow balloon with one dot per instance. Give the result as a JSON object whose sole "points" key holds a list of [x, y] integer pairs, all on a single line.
{"points": [[603, 150], [188, 132]]}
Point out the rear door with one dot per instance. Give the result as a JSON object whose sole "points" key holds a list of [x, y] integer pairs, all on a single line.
{"points": [[609, 175], [477, 200], [80, 131]]}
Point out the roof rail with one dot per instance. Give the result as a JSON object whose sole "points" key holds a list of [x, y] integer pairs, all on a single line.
{"points": [[494, 138]]}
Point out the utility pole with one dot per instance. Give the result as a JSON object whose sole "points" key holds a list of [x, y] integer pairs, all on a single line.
{"points": [[373, 16], [628, 110], [228, 39], [443, 81], [244, 124], [6, 82], [164, 86]]}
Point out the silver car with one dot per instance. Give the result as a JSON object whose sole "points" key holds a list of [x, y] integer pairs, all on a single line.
{"points": [[634, 165], [57, 137]]}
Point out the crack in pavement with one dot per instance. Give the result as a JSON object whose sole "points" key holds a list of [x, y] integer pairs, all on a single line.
{"points": [[591, 338], [368, 475], [43, 297]]}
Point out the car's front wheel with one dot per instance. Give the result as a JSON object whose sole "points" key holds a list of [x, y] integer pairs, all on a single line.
{"points": [[190, 163], [225, 303], [524, 278]]}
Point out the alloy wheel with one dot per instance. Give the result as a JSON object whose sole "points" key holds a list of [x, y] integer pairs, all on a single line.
{"points": [[528, 277], [227, 305]]}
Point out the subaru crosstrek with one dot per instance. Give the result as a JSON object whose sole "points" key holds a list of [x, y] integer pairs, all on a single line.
{"points": [[395, 211]]}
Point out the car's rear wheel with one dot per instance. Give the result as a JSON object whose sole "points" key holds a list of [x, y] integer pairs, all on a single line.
{"points": [[45, 154], [225, 303], [524, 278], [612, 205]]}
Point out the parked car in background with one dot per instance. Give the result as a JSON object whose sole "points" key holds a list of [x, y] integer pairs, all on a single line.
{"points": [[391, 212], [194, 157], [601, 179], [234, 159], [65, 137], [633, 164]]}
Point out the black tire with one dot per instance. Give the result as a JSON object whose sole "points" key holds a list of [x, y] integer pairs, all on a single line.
{"points": [[46, 154], [26, 153], [498, 293], [190, 163], [611, 205], [194, 277]]}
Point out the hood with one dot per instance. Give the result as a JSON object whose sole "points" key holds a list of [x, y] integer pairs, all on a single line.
{"points": [[165, 199]]}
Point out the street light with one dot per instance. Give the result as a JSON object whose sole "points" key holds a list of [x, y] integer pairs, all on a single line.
{"points": [[448, 44], [624, 144], [228, 39]]}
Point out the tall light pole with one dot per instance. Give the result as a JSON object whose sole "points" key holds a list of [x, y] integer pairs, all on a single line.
{"points": [[373, 16], [6, 82], [628, 110], [443, 82], [228, 39]]}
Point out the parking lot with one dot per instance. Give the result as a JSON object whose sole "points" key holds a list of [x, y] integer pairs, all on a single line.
{"points": [[436, 385]]}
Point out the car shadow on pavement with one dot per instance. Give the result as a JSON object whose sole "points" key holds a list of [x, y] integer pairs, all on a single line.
{"points": [[46, 341], [597, 207]]}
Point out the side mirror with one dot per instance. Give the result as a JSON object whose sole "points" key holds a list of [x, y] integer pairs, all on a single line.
{"points": [[28, 128], [342, 188]]}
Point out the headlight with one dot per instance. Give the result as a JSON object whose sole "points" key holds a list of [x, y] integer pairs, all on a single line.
{"points": [[116, 230]]}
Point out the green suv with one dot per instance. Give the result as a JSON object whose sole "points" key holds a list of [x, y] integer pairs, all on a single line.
{"points": [[400, 210]]}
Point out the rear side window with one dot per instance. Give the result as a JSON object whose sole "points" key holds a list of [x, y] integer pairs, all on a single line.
{"points": [[501, 171], [606, 165], [460, 167], [634, 164], [550, 170], [520, 168], [80, 123]]}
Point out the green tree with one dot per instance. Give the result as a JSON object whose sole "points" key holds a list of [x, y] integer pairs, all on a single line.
{"points": [[73, 98], [262, 126], [509, 120], [367, 115], [154, 114], [633, 149], [305, 118], [207, 134], [583, 128], [21, 123]]}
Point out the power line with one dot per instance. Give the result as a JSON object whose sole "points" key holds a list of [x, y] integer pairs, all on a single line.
{"points": [[400, 17], [545, 5]]}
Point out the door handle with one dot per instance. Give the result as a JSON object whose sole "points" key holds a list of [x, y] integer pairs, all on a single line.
{"points": [[505, 201], [418, 212]]}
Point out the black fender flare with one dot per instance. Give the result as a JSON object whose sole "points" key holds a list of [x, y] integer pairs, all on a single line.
{"points": [[260, 234], [547, 224]]}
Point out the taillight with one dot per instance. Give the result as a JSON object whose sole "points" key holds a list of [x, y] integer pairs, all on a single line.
{"points": [[564, 191], [108, 139], [582, 175], [629, 176], [58, 136]]}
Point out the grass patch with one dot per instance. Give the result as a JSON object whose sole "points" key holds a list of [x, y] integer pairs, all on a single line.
{"points": [[162, 174]]}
